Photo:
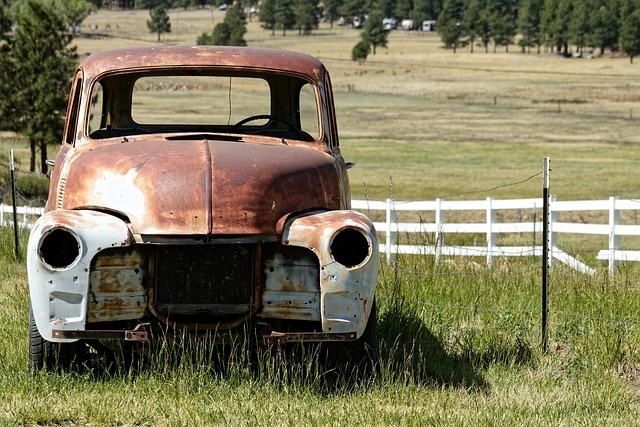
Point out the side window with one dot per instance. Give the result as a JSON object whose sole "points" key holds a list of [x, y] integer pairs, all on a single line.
{"points": [[96, 109], [72, 122], [309, 111]]}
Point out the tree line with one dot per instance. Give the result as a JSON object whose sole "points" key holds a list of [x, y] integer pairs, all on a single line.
{"points": [[557, 25]]}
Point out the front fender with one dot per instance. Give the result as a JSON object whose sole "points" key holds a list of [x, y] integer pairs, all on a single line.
{"points": [[346, 294], [59, 296]]}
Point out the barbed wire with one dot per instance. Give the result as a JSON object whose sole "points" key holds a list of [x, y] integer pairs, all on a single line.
{"points": [[485, 190], [593, 187]]}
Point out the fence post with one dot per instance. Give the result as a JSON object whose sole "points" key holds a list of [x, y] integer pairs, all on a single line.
{"points": [[491, 238], [614, 218], [553, 236], [12, 168], [546, 258], [439, 234], [2, 214], [390, 236]]}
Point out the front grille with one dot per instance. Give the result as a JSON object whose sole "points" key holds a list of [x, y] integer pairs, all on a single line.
{"points": [[205, 276]]}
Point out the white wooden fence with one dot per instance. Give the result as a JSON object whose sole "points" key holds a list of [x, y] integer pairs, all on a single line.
{"points": [[27, 215], [491, 229]]}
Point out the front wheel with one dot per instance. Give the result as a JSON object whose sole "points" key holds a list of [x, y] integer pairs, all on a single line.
{"points": [[47, 355]]}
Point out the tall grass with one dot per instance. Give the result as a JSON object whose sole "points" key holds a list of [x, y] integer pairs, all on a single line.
{"points": [[452, 336]]}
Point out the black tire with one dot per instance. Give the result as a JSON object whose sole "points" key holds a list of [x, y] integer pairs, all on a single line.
{"points": [[47, 355]]}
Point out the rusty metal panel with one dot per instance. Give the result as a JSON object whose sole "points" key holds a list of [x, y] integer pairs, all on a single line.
{"points": [[203, 56], [197, 188], [116, 287], [292, 285]]}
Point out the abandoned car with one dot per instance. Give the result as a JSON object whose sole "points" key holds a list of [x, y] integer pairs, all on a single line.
{"points": [[200, 189]]}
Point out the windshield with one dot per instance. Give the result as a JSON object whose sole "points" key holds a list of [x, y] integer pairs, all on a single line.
{"points": [[268, 105]]}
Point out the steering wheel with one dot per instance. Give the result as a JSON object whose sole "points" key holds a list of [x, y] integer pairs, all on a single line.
{"points": [[267, 117]]}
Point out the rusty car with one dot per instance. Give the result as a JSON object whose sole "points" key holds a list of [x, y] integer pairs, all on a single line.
{"points": [[200, 189]]}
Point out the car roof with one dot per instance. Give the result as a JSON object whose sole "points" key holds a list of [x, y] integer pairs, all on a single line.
{"points": [[159, 57]]}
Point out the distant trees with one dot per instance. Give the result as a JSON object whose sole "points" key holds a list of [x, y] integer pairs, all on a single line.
{"points": [[267, 15], [159, 22], [360, 51], [373, 32], [74, 12], [451, 23], [307, 16], [284, 15], [630, 35], [560, 25], [229, 32], [35, 70]]}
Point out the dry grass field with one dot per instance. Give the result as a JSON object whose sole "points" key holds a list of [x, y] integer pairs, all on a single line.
{"points": [[460, 344]]}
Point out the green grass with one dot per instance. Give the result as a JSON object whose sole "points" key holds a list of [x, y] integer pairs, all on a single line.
{"points": [[460, 344]]}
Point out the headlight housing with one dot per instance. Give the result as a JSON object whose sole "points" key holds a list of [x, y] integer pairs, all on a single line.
{"points": [[350, 247], [59, 248]]}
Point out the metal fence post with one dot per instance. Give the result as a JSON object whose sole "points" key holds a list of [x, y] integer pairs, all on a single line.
{"points": [[614, 241], [13, 201], [553, 236], [439, 234], [491, 238], [546, 258], [390, 236]]}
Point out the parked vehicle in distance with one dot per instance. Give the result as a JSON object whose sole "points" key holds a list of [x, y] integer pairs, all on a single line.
{"points": [[200, 189], [429, 26], [389, 23], [406, 24]]}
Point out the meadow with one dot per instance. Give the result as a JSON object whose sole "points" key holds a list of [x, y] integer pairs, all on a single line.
{"points": [[459, 343]]}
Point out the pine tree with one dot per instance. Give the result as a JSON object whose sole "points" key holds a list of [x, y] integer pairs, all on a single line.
{"points": [[579, 25], [43, 64], [284, 15], [471, 20], [450, 23], [267, 15], [360, 51], [331, 10], [426, 9], [352, 9], [74, 11], [403, 9], [630, 35], [236, 20], [604, 28], [229, 32], [529, 17], [307, 15], [547, 23], [503, 22], [561, 25], [159, 22], [373, 32]]}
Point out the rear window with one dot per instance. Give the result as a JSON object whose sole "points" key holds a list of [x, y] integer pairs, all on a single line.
{"points": [[199, 100]]}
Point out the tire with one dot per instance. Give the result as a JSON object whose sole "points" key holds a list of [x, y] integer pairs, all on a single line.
{"points": [[46, 355]]}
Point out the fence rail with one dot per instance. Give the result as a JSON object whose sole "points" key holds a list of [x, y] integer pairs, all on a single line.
{"points": [[390, 228], [27, 215]]}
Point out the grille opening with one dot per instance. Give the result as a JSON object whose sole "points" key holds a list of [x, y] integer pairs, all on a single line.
{"points": [[201, 284], [59, 248], [350, 247]]}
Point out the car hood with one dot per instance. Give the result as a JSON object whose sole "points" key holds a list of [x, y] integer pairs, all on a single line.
{"points": [[199, 187]]}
